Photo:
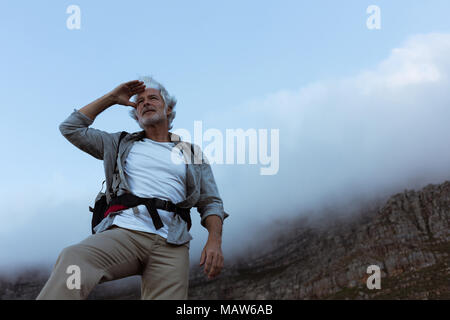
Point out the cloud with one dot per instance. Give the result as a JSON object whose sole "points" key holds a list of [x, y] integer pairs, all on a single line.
{"points": [[416, 63], [346, 138], [40, 218]]}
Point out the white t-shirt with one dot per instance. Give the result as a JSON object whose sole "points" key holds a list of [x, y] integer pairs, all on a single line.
{"points": [[151, 173]]}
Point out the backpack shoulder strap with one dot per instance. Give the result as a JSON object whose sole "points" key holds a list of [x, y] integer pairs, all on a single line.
{"points": [[122, 135]]}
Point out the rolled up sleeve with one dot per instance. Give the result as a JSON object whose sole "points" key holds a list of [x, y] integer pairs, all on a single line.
{"points": [[76, 130], [209, 202]]}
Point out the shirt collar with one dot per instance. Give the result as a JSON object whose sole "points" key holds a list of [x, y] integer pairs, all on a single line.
{"points": [[141, 135]]}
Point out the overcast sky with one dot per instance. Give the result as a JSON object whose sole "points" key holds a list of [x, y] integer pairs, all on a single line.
{"points": [[360, 112]]}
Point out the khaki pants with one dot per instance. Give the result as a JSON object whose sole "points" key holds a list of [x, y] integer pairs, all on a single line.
{"points": [[117, 253]]}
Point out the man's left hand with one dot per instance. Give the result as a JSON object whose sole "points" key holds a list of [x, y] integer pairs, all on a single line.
{"points": [[212, 258]]}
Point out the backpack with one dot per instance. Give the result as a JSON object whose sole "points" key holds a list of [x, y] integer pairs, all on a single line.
{"points": [[100, 206]]}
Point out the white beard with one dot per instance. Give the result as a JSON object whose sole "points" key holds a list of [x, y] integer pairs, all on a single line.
{"points": [[154, 119]]}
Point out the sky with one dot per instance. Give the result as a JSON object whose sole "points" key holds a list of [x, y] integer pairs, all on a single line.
{"points": [[360, 112]]}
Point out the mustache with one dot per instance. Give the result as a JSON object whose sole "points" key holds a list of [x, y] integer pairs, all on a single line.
{"points": [[147, 109]]}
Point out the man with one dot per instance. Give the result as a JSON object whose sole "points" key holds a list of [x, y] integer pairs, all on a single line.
{"points": [[140, 239]]}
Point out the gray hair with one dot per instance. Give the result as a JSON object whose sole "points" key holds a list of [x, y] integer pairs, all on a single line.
{"points": [[169, 101]]}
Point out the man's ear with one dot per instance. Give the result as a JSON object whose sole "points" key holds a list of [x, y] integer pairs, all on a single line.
{"points": [[169, 110]]}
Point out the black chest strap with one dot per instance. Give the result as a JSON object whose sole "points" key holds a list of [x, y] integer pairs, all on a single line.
{"points": [[130, 200]]}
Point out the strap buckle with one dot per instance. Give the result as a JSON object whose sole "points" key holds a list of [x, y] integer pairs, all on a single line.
{"points": [[166, 206]]}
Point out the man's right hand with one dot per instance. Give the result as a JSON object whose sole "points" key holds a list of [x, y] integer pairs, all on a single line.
{"points": [[122, 94]]}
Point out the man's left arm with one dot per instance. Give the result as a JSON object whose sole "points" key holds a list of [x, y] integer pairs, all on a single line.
{"points": [[212, 256], [210, 207]]}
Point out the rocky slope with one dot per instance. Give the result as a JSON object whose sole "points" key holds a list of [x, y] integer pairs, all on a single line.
{"points": [[408, 238]]}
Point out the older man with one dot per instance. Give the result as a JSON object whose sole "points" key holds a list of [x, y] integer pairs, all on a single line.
{"points": [[146, 227]]}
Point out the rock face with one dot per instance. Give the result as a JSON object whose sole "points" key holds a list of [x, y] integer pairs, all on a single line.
{"points": [[408, 238]]}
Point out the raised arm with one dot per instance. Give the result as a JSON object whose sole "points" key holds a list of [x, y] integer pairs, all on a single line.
{"points": [[120, 95], [76, 127]]}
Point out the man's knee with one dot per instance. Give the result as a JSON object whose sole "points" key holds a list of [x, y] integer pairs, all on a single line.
{"points": [[73, 254], [74, 275], [77, 258]]}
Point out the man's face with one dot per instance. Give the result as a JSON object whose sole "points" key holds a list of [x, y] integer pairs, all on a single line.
{"points": [[150, 107]]}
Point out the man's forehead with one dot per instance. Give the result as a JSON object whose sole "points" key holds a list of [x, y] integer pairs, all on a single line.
{"points": [[149, 91]]}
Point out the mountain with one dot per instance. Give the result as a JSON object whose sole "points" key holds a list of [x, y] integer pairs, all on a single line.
{"points": [[407, 237]]}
